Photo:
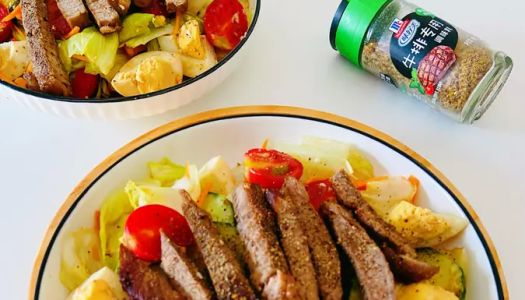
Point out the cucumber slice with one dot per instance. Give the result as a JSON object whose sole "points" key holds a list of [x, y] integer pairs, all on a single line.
{"points": [[451, 275], [219, 208]]}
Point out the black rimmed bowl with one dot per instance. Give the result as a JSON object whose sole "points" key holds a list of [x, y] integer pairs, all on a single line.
{"points": [[135, 106]]}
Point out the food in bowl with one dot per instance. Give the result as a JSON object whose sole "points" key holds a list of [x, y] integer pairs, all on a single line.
{"points": [[292, 221], [101, 48]]}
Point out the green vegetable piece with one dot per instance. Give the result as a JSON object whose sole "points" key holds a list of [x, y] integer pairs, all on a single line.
{"points": [[135, 25], [355, 291], [151, 35], [113, 215], [166, 171], [451, 276], [219, 208]]}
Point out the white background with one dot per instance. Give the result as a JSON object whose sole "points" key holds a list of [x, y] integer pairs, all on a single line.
{"points": [[290, 62]]}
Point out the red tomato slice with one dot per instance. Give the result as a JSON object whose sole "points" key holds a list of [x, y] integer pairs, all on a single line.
{"points": [[157, 7], [225, 23], [6, 28], [84, 85], [142, 231], [59, 25], [269, 168], [319, 192]]}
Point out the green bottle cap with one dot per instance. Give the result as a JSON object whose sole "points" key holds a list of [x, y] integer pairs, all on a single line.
{"points": [[350, 24]]}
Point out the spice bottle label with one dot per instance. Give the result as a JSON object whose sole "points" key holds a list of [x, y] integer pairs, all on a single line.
{"points": [[422, 49]]}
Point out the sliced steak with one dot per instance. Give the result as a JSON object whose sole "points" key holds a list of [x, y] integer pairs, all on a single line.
{"points": [[255, 222], [177, 6], [323, 250], [350, 197], [141, 281], [295, 244], [32, 83], [224, 269], [408, 269], [105, 15], [182, 271], [47, 68], [121, 6], [370, 265], [74, 12]]}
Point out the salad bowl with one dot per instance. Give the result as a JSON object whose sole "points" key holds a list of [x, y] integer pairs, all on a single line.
{"points": [[230, 132], [142, 105]]}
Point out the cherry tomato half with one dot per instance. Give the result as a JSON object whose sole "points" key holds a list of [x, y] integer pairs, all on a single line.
{"points": [[84, 85], [319, 192], [142, 231], [6, 28], [269, 168], [225, 23], [59, 25]]}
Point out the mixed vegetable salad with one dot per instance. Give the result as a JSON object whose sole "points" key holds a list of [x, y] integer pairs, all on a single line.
{"points": [[134, 215], [155, 44]]}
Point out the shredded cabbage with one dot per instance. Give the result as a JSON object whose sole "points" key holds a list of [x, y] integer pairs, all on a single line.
{"points": [[135, 25], [146, 194], [113, 215], [149, 36], [166, 171], [99, 50], [80, 257]]}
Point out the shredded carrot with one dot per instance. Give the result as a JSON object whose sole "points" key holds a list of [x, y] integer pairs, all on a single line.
{"points": [[415, 182], [204, 192], [132, 52], [97, 221], [264, 144], [21, 82], [73, 31], [360, 185], [16, 13], [178, 24], [79, 57]]}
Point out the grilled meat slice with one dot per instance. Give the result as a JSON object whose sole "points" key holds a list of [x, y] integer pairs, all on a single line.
{"points": [[408, 269], [350, 197], [255, 223], [182, 271], [177, 6], [47, 68], [323, 250], [142, 281], [295, 244], [32, 83], [372, 270], [225, 272], [105, 15], [121, 6], [74, 12]]}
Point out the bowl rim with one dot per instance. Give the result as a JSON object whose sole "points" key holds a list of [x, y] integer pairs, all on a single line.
{"points": [[257, 111], [228, 57]]}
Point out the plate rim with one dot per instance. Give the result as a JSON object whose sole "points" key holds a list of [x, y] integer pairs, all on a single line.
{"points": [[255, 111]]}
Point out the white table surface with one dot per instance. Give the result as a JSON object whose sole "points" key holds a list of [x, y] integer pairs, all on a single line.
{"points": [[290, 62]]}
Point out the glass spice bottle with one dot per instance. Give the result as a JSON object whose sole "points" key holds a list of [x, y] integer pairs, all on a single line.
{"points": [[421, 54]]}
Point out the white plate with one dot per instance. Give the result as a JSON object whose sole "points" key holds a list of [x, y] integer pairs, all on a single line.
{"points": [[135, 106], [230, 132]]}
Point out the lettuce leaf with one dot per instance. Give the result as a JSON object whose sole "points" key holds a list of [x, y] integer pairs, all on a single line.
{"points": [[135, 25], [113, 215], [166, 171]]}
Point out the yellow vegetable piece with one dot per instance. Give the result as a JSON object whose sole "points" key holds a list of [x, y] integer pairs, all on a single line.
{"points": [[189, 39], [101, 285], [386, 192], [217, 176], [423, 291]]}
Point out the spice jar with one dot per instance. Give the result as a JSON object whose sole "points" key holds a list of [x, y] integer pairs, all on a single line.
{"points": [[421, 54]]}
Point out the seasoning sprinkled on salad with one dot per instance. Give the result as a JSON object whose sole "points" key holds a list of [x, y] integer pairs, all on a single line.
{"points": [[288, 223], [107, 48]]}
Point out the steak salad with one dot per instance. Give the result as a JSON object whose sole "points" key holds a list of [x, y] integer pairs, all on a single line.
{"points": [[292, 221], [91, 49]]}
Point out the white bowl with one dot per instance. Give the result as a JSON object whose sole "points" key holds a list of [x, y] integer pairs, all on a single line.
{"points": [[230, 132], [136, 106]]}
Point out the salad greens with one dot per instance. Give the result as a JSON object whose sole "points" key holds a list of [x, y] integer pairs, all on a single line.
{"points": [[166, 171]]}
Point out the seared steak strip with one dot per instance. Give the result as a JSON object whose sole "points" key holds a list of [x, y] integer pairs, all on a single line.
{"points": [[177, 6], [372, 270], [121, 6], [74, 12], [47, 68], [224, 269], [105, 15], [408, 269], [350, 197], [178, 266], [323, 250], [295, 244], [255, 223], [141, 281]]}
